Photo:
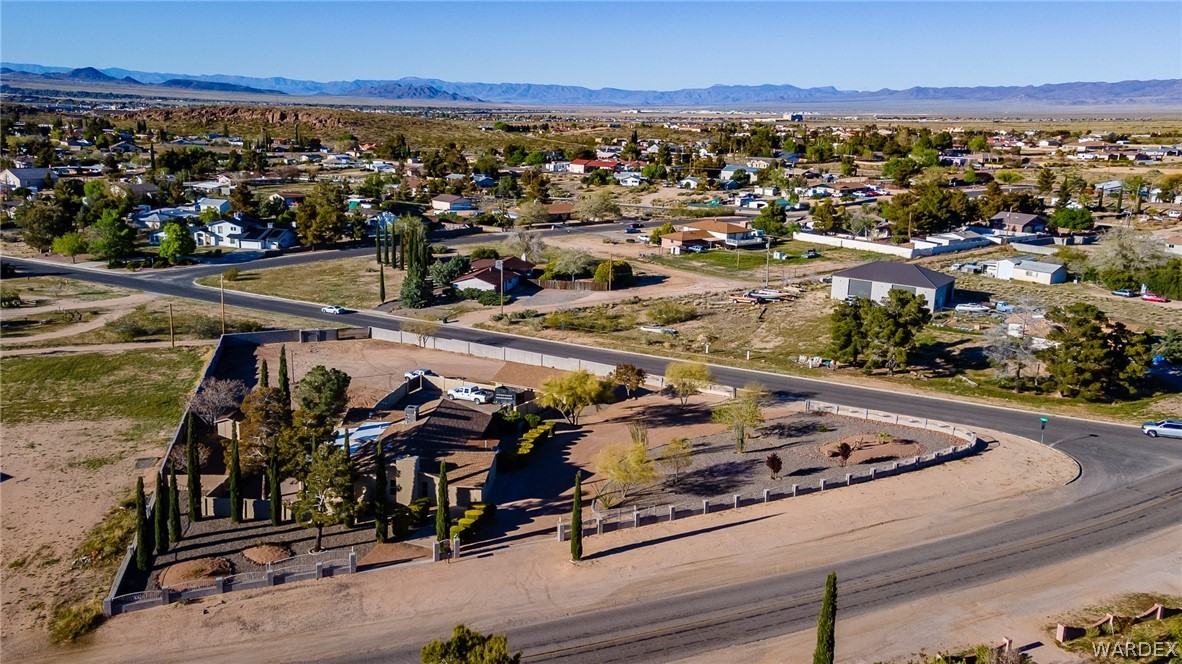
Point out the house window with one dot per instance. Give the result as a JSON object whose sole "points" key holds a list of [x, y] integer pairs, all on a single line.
{"points": [[860, 288]]}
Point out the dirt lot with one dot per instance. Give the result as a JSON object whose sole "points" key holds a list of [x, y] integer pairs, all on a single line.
{"points": [[523, 582]]}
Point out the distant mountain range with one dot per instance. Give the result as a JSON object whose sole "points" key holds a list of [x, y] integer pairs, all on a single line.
{"points": [[1123, 94]]}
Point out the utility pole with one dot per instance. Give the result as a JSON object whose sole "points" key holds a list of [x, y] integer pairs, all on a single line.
{"points": [[171, 335], [767, 274], [222, 287]]}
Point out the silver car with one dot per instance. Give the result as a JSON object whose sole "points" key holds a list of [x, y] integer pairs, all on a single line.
{"points": [[1164, 428]]}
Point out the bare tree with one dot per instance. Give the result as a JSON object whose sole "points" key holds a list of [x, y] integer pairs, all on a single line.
{"points": [[1127, 250], [1010, 354], [676, 457], [526, 243], [774, 463], [421, 328], [844, 452], [216, 397]]}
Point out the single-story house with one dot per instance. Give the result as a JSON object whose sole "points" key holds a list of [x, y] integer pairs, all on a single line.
{"points": [[1026, 268], [689, 182], [290, 198], [726, 233], [876, 279], [731, 170], [677, 242], [450, 203], [630, 179], [485, 275], [584, 166], [1174, 245], [33, 179], [1018, 222]]}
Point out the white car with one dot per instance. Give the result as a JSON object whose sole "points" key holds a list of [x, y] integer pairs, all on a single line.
{"points": [[972, 309], [415, 373], [657, 329], [470, 393], [333, 309]]}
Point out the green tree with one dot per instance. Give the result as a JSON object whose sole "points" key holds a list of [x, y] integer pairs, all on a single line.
{"points": [[1170, 346], [893, 327], [193, 470], [160, 516], [42, 222], [321, 501], [320, 219], [628, 376], [442, 506], [324, 392], [772, 220], [243, 201], [415, 293], [1008, 177], [1071, 219], [274, 485], [1046, 180], [826, 216], [265, 417], [283, 382], [686, 379], [381, 493], [576, 521], [597, 206], [143, 534], [618, 273], [178, 242], [174, 507], [234, 468], [469, 647], [71, 244], [1134, 185], [847, 331], [381, 282], [741, 414], [654, 237], [1095, 359], [111, 238], [827, 623], [572, 391], [443, 272]]}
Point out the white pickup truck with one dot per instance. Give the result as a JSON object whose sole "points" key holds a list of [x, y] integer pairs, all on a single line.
{"points": [[470, 393]]}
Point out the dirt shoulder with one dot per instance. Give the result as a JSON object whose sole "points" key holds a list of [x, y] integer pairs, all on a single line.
{"points": [[531, 582]]}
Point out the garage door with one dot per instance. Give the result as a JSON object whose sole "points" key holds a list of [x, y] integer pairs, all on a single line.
{"points": [[860, 288]]}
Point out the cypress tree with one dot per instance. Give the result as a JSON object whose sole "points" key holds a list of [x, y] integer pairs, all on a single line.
{"points": [[377, 243], [284, 382], [442, 507], [276, 494], [381, 490], [827, 623], [349, 496], [160, 516], [391, 248], [193, 471], [576, 521], [174, 507], [143, 536], [235, 481], [264, 375], [382, 283]]}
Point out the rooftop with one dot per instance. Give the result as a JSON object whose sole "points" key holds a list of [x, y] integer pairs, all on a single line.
{"points": [[903, 274]]}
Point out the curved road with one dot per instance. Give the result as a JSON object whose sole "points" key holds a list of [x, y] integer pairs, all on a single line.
{"points": [[1129, 486]]}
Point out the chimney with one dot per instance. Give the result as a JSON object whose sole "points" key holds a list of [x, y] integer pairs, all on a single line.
{"points": [[412, 414]]}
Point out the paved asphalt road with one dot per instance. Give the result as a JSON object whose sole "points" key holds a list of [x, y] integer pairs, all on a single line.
{"points": [[1129, 486]]}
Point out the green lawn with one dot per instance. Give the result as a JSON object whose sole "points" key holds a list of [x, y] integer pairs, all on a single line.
{"points": [[146, 386], [349, 282]]}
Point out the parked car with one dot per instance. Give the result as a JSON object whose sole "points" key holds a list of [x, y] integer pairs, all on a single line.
{"points": [[747, 298], [1163, 428], [696, 248], [1150, 297], [972, 309], [470, 393], [811, 253], [1124, 292], [1004, 307], [333, 309], [415, 373], [635, 226], [643, 238], [631, 230], [657, 329]]}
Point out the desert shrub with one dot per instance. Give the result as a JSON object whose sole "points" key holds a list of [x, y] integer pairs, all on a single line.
{"points": [[233, 274], [483, 252], [666, 312], [419, 510], [532, 420], [70, 622], [10, 298]]}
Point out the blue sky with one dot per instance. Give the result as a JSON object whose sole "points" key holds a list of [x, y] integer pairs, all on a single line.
{"points": [[651, 45]]}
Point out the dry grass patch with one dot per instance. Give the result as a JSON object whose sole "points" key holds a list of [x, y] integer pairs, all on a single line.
{"points": [[349, 282]]}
